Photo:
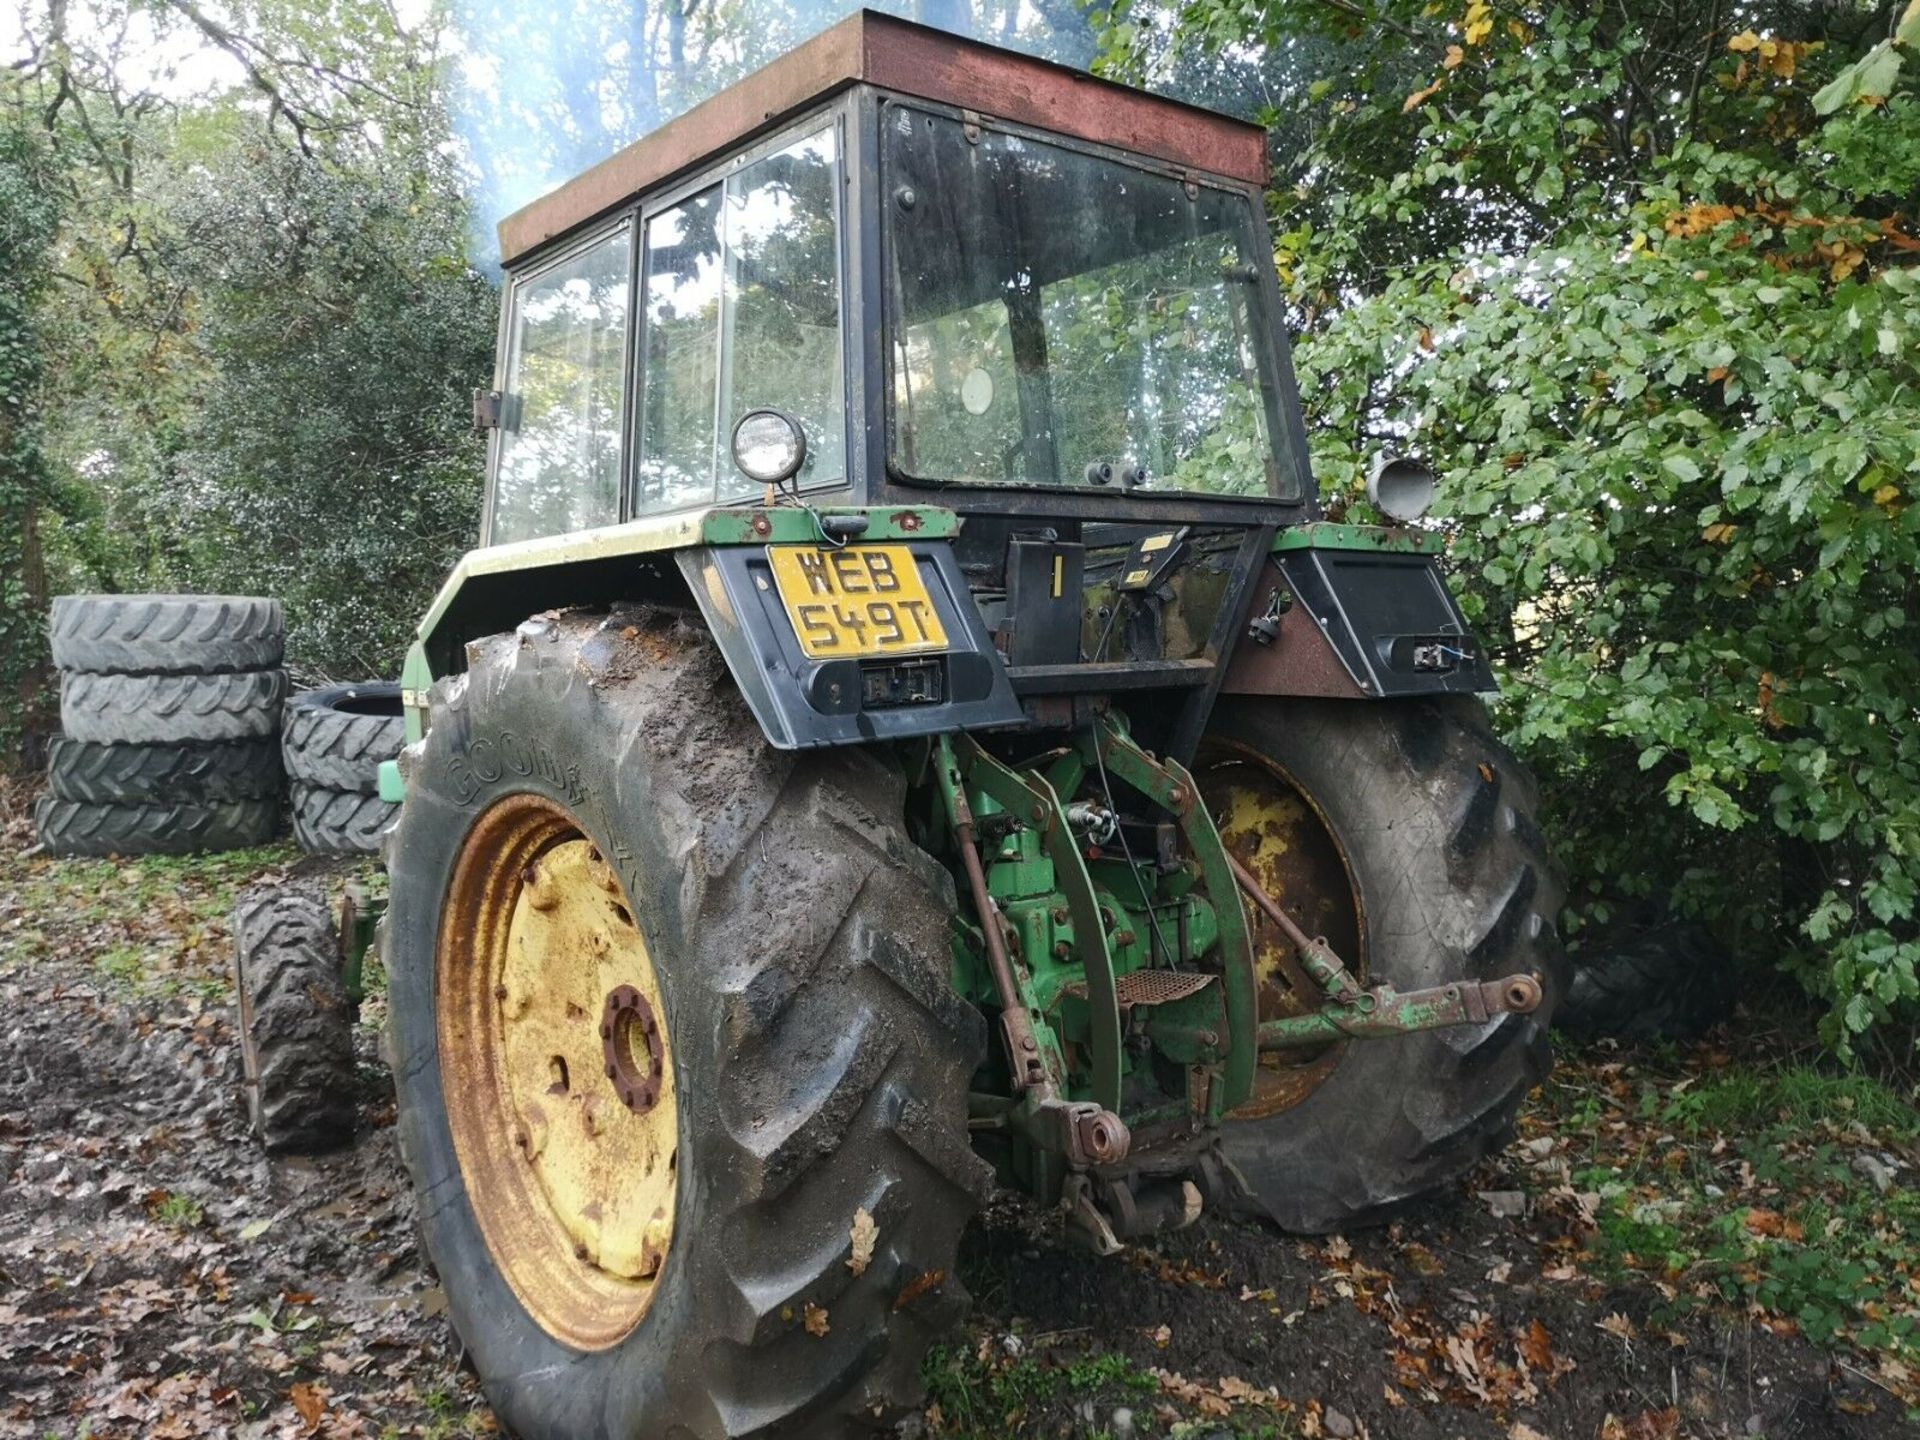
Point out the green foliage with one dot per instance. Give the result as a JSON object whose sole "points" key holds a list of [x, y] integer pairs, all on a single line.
{"points": [[1655, 319], [28, 217], [333, 462], [258, 360]]}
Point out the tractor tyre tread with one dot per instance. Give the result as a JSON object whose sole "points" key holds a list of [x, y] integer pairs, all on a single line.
{"points": [[166, 634], [171, 709], [296, 1024], [78, 827], [339, 822], [341, 749], [101, 774]]}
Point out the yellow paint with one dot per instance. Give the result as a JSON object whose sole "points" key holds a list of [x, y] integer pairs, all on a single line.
{"points": [[574, 1190], [1059, 576], [857, 600]]}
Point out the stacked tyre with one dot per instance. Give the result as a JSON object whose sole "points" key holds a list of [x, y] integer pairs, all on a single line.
{"points": [[332, 745], [168, 709]]}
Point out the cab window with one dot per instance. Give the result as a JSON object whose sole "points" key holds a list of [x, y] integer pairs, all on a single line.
{"points": [[558, 466], [741, 309]]}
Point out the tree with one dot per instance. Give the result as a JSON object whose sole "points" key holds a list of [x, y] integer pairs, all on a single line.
{"points": [[28, 216], [1652, 311]]}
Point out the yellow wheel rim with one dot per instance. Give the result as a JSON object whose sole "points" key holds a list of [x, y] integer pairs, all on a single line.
{"points": [[558, 1071], [1270, 826]]}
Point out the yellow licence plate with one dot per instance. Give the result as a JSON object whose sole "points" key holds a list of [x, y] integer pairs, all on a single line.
{"points": [[857, 600]]}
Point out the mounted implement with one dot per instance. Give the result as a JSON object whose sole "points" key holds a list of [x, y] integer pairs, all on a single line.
{"points": [[910, 729]]}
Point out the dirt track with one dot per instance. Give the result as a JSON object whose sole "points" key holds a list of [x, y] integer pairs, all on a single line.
{"points": [[158, 1278]]}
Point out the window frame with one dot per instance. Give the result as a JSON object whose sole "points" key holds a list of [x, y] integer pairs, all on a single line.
{"points": [[506, 351], [835, 116]]}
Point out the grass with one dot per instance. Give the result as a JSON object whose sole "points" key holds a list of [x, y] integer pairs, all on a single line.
{"points": [[1752, 1183], [983, 1394], [152, 927]]}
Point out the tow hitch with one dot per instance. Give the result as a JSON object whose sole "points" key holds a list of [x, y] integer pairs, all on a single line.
{"points": [[1355, 1013]]}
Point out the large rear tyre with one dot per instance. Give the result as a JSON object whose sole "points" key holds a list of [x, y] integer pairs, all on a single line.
{"points": [[777, 1030], [1404, 831]]}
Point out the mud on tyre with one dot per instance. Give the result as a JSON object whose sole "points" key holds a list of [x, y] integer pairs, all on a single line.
{"points": [[1446, 878], [818, 1060]]}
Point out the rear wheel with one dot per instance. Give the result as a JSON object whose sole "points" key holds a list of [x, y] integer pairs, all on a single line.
{"points": [[1403, 831], [670, 1012]]}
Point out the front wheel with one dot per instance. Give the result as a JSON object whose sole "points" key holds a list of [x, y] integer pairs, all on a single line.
{"points": [[1404, 832], [682, 1082]]}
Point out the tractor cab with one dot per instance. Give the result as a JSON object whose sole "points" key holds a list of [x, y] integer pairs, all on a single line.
{"points": [[899, 278]]}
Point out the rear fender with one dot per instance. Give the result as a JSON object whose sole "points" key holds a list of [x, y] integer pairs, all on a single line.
{"points": [[801, 702], [1353, 613]]}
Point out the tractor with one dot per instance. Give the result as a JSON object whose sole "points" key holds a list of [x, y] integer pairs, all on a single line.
{"points": [[910, 729]]}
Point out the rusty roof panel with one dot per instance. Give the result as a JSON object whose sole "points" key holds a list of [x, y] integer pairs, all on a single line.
{"points": [[913, 60]]}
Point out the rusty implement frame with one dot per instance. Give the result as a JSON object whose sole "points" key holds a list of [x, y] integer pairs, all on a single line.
{"points": [[1083, 1133], [1353, 1013]]}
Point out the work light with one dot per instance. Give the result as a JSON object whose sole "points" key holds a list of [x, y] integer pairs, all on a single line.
{"points": [[769, 446]]}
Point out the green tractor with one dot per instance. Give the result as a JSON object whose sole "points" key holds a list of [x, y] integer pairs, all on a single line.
{"points": [[908, 730]]}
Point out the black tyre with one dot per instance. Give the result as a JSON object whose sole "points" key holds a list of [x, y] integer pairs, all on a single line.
{"points": [[163, 774], [73, 827], [818, 1058], [171, 709], [336, 737], [1668, 983], [166, 634], [296, 1024], [1412, 845], [339, 822]]}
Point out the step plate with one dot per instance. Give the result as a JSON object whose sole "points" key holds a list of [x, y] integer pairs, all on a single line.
{"points": [[1150, 987]]}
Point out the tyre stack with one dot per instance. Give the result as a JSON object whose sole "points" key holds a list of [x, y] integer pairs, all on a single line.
{"points": [[168, 709], [332, 745]]}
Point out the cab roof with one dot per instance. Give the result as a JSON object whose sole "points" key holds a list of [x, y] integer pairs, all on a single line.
{"points": [[909, 59]]}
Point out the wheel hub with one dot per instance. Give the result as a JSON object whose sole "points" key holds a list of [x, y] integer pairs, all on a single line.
{"points": [[557, 1068], [630, 1037], [1277, 833]]}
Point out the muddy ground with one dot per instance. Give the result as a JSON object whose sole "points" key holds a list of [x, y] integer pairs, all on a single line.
{"points": [[160, 1278]]}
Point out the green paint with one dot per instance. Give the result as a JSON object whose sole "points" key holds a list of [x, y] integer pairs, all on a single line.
{"points": [[393, 789], [1325, 535], [789, 525]]}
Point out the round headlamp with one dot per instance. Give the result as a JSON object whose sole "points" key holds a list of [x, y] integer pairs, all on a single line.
{"points": [[769, 446], [1400, 489]]}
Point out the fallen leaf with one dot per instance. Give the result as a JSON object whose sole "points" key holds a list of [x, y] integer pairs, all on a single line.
{"points": [[918, 1286], [816, 1320], [1536, 1348], [310, 1401], [865, 1235], [1618, 1326]]}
